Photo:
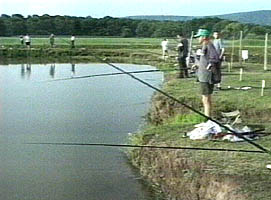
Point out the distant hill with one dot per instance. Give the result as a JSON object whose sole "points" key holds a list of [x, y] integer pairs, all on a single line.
{"points": [[262, 17]]}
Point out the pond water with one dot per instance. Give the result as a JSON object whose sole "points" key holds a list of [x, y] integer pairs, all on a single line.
{"points": [[95, 110]]}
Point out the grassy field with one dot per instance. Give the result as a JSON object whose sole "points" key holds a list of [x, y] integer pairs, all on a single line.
{"points": [[62, 41], [82, 41], [255, 47], [188, 175]]}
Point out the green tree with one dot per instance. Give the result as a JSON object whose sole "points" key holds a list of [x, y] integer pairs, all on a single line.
{"points": [[126, 32], [2, 28], [144, 29], [18, 26], [60, 26], [233, 29], [258, 30], [219, 26]]}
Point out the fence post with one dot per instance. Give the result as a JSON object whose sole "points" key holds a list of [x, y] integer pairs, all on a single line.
{"points": [[240, 48], [266, 51], [232, 52]]}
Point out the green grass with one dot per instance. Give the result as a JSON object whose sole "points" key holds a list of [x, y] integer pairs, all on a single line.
{"points": [[248, 168], [65, 41], [255, 109]]}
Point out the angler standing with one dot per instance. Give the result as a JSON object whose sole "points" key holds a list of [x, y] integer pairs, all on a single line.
{"points": [[208, 65], [182, 49], [27, 40], [218, 44], [164, 45], [22, 39], [72, 41], [52, 40]]}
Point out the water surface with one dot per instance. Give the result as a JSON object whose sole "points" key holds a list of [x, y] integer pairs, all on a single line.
{"points": [[94, 110]]}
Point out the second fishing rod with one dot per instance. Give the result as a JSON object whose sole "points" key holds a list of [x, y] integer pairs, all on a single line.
{"points": [[239, 135]]}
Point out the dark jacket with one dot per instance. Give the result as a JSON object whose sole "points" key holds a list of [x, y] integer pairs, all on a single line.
{"points": [[183, 48]]}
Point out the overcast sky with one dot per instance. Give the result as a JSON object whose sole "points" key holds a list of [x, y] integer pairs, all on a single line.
{"points": [[122, 8]]}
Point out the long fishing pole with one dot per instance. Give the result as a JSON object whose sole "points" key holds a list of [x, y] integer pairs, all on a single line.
{"points": [[113, 74], [146, 146], [182, 103], [64, 40], [185, 105]]}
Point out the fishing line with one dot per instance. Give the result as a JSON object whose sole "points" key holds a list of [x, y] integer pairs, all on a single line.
{"points": [[112, 74], [184, 104], [64, 40], [146, 146]]}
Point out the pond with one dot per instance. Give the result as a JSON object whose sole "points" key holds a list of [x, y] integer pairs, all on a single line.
{"points": [[34, 107]]}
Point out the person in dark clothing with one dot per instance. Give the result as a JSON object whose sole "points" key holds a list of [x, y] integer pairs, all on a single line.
{"points": [[182, 49], [22, 39]]}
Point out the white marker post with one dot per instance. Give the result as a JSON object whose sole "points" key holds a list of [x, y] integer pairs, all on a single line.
{"points": [[263, 86], [265, 52], [232, 52], [240, 48], [241, 74]]}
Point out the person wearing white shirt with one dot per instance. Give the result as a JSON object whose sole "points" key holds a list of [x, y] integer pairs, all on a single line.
{"points": [[72, 41], [27, 40]]}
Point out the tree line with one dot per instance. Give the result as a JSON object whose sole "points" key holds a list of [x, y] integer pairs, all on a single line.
{"points": [[17, 24]]}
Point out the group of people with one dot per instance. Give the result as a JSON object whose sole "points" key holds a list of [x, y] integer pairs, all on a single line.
{"points": [[207, 63], [27, 40]]}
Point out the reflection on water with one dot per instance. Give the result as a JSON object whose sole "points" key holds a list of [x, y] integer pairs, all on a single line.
{"points": [[94, 110], [25, 70], [73, 69], [52, 70]]}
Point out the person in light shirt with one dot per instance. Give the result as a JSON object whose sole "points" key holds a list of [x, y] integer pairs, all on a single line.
{"points": [[72, 41], [219, 46], [52, 40], [208, 73], [27, 40]]}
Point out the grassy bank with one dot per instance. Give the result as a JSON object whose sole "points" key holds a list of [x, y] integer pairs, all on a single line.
{"points": [[183, 174]]}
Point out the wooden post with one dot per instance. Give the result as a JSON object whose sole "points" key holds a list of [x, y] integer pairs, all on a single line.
{"points": [[241, 74], [240, 48], [263, 86], [265, 51], [232, 52]]}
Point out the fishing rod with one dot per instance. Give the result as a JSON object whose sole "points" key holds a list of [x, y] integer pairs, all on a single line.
{"points": [[146, 146], [64, 40], [151, 52], [184, 104], [112, 74]]}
